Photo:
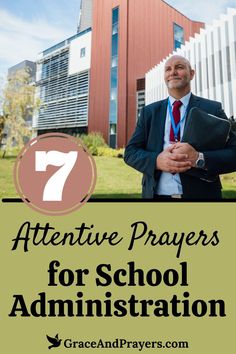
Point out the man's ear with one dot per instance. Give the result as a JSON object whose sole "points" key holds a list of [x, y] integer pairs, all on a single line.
{"points": [[192, 73]]}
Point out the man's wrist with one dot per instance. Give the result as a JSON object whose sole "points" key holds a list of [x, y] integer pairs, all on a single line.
{"points": [[200, 162]]}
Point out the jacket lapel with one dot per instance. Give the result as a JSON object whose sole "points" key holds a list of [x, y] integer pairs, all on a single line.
{"points": [[193, 102], [159, 130]]}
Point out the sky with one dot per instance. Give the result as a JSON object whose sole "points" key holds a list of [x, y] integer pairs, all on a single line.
{"points": [[202, 10], [27, 27]]}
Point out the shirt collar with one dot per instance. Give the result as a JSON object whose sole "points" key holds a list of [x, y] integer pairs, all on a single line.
{"points": [[184, 100]]}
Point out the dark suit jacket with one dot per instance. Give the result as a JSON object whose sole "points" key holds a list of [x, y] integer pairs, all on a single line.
{"points": [[147, 143]]}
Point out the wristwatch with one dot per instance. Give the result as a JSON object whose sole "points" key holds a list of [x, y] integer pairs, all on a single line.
{"points": [[200, 163]]}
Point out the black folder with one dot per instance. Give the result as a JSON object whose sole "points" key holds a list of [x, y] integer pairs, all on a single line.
{"points": [[205, 131]]}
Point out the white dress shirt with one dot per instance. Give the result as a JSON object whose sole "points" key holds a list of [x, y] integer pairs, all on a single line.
{"points": [[170, 183]]}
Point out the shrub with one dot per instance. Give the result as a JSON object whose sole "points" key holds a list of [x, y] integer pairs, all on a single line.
{"points": [[98, 147], [93, 141], [11, 152], [109, 152]]}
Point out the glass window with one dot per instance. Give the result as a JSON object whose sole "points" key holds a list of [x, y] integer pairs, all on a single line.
{"points": [[113, 111], [178, 36], [114, 61], [115, 28], [113, 93], [114, 77], [112, 128], [115, 15], [112, 141], [114, 45], [82, 52]]}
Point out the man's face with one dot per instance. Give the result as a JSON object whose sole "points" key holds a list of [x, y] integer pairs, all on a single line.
{"points": [[178, 73]]}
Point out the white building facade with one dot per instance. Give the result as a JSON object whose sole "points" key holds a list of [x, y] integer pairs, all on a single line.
{"points": [[212, 54], [62, 80]]}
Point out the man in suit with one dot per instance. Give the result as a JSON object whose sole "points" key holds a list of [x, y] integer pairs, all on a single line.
{"points": [[166, 162]]}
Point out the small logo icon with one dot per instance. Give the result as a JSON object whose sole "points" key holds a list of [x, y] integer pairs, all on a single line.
{"points": [[55, 342]]}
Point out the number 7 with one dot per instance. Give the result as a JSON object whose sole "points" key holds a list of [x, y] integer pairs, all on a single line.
{"points": [[54, 187]]}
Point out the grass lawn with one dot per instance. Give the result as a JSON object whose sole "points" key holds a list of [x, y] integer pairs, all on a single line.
{"points": [[114, 180], [7, 188]]}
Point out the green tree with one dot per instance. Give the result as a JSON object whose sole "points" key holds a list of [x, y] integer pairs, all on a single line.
{"points": [[1, 128], [19, 104], [2, 118]]}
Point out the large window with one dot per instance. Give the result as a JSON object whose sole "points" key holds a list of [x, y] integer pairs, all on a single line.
{"points": [[114, 79], [178, 36]]}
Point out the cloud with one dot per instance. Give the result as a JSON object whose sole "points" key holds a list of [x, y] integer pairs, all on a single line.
{"points": [[22, 39], [202, 10]]}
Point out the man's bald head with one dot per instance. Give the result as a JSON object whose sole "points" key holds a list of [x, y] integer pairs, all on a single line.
{"points": [[179, 58], [177, 74]]}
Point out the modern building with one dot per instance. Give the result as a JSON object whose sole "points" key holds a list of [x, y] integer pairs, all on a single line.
{"points": [[128, 38], [28, 65], [63, 86], [85, 15], [212, 53], [95, 80]]}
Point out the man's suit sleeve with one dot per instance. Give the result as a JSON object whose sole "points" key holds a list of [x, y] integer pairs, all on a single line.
{"points": [[136, 153], [224, 160]]}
